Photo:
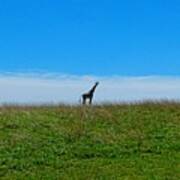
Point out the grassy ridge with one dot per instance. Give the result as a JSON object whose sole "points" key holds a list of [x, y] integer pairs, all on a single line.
{"points": [[139, 141]]}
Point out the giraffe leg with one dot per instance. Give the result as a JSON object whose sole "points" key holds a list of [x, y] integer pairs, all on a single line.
{"points": [[90, 100], [84, 101]]}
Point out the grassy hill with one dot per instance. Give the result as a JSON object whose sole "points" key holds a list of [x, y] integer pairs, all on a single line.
{"points": [[140, 141]]}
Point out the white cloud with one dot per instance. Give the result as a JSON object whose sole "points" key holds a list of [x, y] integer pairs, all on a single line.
{"points": [[55, 88]]}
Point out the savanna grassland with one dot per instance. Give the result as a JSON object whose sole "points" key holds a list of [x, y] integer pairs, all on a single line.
{"points": [[137, 141]]}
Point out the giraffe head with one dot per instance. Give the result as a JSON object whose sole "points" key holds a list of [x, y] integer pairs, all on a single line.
{"points": [[97, 83]]}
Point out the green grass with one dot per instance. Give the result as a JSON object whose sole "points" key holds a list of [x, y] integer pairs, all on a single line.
{"points": [[140, 141]]}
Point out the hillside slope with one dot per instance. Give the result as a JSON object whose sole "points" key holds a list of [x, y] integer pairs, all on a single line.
{"points": [[139, 141]]}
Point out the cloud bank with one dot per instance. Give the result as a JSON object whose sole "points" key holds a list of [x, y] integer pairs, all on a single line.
{"points": [[55, 88]]}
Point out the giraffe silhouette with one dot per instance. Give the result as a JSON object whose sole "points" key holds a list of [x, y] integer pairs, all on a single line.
{"points": [[89, 95]]}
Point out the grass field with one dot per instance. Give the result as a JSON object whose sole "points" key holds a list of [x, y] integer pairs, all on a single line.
{"points": [[140, 141]]}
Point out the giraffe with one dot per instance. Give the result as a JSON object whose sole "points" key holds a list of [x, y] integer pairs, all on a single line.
{"points": [[90, 94]]}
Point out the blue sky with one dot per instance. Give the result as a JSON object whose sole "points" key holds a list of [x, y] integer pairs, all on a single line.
{"points": [[95, 37]]}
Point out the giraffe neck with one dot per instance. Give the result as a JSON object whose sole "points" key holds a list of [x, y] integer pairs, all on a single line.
{"points": [[93, 89]]}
